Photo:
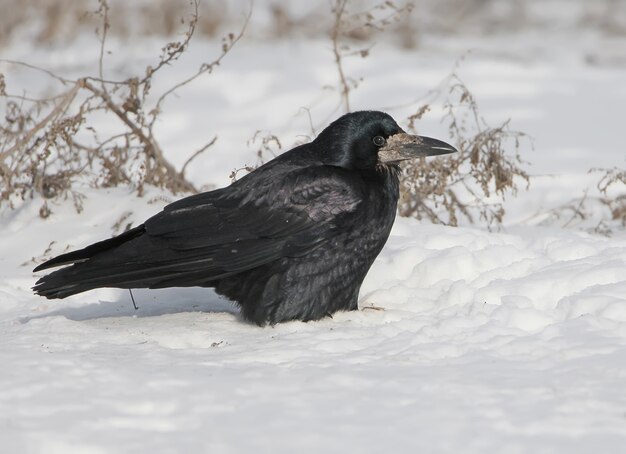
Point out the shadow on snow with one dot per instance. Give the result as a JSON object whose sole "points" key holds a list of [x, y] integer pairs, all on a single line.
{"points": [[150, 303]]}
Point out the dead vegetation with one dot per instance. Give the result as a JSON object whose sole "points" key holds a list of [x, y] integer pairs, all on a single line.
{"points": [[350, 26], [472, 183], [616, 203], [61, 21], [600, 210], [50, 144], [602, 213]]}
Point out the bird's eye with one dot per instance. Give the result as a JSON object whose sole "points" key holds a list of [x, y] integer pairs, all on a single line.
{"points": [[379, 141]]}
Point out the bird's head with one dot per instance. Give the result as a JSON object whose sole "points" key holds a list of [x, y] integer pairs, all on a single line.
{"points": [[367, 139]]}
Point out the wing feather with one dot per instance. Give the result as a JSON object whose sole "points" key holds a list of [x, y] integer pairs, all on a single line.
{"points": [[282, 222], [217, 234]]}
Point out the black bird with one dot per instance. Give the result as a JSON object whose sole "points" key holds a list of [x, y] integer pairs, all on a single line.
{"points": [[292, 240]]}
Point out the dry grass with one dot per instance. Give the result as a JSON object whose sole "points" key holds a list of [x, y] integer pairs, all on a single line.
{"points": [[440, 190], [58, 21], [617, 204], [472, 183], [49, 145]]}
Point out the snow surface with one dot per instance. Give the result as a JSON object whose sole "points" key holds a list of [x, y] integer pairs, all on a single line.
{"points": [[468, 341]]}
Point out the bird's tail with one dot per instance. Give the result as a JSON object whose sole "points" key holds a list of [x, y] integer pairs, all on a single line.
{"points": [[83, 275], [63, 283]]}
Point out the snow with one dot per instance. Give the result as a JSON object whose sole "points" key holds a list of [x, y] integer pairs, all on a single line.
{"points": [[468, 340]]}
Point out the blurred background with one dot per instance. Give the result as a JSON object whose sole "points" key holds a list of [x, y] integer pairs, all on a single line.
{"points": [[56, 22]]}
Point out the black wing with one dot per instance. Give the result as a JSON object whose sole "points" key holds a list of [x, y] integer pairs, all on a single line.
{"points": [[232, 233]]}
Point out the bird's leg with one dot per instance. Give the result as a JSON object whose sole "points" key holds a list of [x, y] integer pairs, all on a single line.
{"points": [[133, 299]]}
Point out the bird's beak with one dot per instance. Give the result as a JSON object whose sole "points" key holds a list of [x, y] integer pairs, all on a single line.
{"points": [[403, 146]]}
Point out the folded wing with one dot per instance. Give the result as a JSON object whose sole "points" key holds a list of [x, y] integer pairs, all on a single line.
{"points": [[214, 235]]}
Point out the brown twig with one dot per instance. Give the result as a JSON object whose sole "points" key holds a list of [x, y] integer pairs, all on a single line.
{"points": [[458, 185], [227, 44], [60, 109], [339, 10], [196, 154], [43, 155]]}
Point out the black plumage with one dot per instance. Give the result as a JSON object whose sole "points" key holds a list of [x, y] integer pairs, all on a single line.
{"points": [[292, 240]]}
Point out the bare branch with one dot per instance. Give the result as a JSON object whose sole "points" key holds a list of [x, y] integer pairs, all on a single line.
{"points": [[196, 154], [227, 44], [339, 10], [103, 10], [59, 110], [172, 51], [63, 80], [47, 145], [458, 185]]}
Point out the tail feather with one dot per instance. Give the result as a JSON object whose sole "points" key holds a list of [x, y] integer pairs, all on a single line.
{"points": [[137, 259], [75, 279], [90, 251], [81, 277], [122, 262]]}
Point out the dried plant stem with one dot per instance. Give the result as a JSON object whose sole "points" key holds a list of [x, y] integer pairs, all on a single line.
{"points": [[50, 153], [59, 110], [151, 147], [339, 10], [196, 154], [206, 68], [444, 190]]}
